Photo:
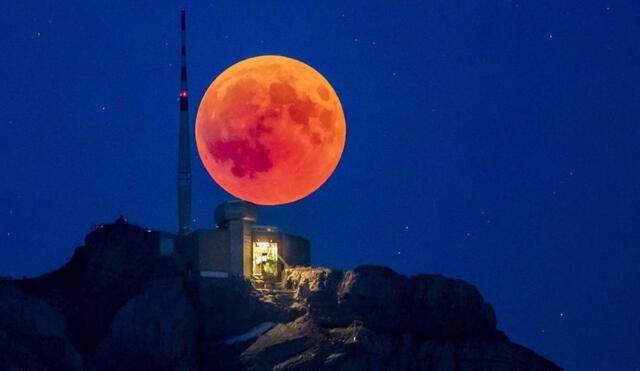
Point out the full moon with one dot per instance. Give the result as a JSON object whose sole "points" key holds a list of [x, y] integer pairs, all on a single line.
{"points": [[270, 130]]}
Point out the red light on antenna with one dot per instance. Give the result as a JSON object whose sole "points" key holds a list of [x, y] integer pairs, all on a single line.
{"points": [[183, 94]]}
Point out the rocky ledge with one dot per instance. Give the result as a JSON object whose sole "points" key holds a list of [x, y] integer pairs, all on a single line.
{"points": [[119, 305]]}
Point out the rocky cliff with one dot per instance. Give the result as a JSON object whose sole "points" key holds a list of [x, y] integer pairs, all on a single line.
{"points": [[117, 304]]}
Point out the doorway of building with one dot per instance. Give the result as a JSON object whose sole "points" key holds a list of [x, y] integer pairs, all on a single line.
{"points": [[265, 259]]}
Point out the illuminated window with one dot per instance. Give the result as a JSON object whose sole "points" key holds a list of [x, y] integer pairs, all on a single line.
{"points": [[265, 258]]}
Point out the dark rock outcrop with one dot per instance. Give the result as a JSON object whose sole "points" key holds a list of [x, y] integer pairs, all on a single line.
{"points": [[119, 305], [115, 263], [384, 300], [155, 330], [33, 335], [371, 318], [301, 345]]}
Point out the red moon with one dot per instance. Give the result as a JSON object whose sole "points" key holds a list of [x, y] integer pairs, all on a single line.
{"points": [[270, 130]]}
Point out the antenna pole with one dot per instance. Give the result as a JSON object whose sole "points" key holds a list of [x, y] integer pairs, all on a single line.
{"points": [[184, 151]]}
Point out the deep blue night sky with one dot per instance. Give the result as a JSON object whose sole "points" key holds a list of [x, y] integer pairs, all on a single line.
{"points": [[496, 142]]}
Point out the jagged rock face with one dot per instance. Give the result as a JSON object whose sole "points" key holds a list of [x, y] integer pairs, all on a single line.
{"points": [[119, 305], [371, 318], [301, 345], [384, 300]]}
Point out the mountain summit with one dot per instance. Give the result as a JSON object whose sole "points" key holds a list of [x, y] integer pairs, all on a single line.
{"points": [[119, 304]]}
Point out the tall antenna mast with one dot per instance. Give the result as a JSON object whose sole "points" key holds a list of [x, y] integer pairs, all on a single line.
{"points": [[184, 151]]}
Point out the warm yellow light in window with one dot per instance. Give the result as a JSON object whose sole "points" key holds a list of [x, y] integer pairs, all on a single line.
{"points": [[263, 245]]}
